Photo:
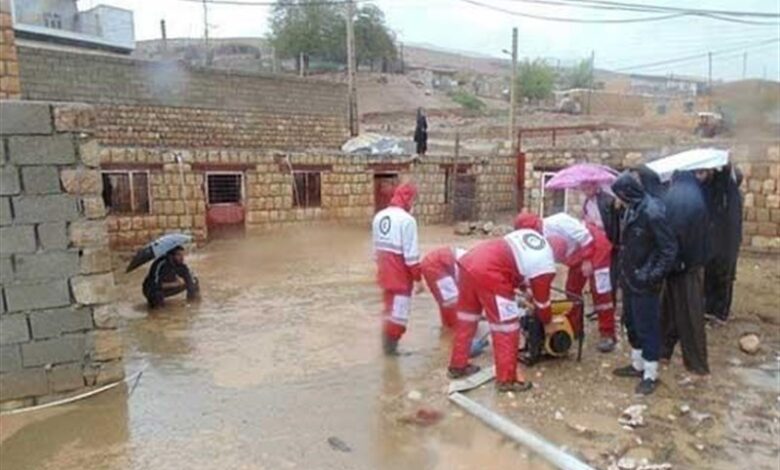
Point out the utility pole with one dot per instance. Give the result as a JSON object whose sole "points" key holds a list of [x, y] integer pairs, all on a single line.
{"points": [[206, 31], [301, 65], [164, 36], [351, 65], [744, 66], [709, 73], [513, 94], [591, 80], [401, 50]]}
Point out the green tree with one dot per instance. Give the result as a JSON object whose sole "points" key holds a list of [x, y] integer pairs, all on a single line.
{"points": [[318, 30], [373, 39], [535, 79], [579, 76]]}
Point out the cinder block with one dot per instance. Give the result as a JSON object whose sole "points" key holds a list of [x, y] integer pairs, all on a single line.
{"points": [[6, 270], [17, 239], [24, 383], [81, 181], [9, 180], [41, 180], [47, 208], [14, 329], [21, 297], [70, 348], [108, 345], [10, 358], [25, 117], [48, 265], [95, 260], [105, 316], [53, 323], [53, 235], [88, 233], [104, 373], [48, 150], [66, 377], [6, 217]]}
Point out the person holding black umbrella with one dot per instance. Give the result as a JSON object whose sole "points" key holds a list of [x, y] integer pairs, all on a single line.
{"points": [[169, 276]]}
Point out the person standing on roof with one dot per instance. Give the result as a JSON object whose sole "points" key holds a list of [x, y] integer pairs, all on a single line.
{"points": [[586, 251], [397, 257], [421, 132], [647, 254], [489, 274], [440, 271]]}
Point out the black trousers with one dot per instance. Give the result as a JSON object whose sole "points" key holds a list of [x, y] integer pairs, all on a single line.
{"points": [[156, 297], [719, 278], [640, 314], [682, 320]]}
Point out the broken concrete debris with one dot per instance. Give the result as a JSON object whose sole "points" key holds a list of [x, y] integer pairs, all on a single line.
{"points": [[750, 343], [633, 416]]}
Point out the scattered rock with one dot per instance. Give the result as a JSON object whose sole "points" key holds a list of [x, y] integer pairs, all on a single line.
{"points": [[558, 415], [655, 466], [699, 418], [750, 343], [684, 409], [627, 463], [735, 362], [501, 230], [414, 395], [423, 417], [633, 416], [337, 444], [462, 228], [488, 227]]}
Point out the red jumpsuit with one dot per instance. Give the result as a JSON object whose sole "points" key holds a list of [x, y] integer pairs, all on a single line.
{"points": [[586, 251], [397, 258], [440, 271], [489, 275]]}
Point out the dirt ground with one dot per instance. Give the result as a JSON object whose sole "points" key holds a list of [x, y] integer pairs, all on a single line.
{"points": [[279, 366]]}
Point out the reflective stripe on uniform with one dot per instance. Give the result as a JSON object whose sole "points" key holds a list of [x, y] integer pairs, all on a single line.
{"points": [[397, 321], [602, 307], [504, 327], [542, 304], [469, 317], [385, 246]]}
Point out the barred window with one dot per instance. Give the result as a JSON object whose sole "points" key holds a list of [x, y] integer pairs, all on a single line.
{"points": [[307, 187], [126, 192], [224, 188]]}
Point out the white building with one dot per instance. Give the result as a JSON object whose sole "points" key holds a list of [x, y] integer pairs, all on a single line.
{"points": [[60, 21]]}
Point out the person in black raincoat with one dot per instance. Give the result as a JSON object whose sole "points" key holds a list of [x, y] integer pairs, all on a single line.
{"points": [[169, 276], [682, 306], [421, 132], [725, 208], [605, 211], [647, 254]]}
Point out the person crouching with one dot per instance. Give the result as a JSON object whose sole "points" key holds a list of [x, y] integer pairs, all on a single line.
{"points": [[169, 276]]}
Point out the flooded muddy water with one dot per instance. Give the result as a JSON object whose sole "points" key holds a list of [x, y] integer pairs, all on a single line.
{"points": [[281, 356], [279, 366]]}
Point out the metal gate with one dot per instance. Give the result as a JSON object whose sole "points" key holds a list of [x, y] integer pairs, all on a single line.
{"points": [[465, 197]]}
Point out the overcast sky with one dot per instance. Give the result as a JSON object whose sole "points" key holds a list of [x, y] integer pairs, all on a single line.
{"points": [[457, 25]]}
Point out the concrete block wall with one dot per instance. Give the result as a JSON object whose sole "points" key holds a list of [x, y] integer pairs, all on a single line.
{"points": [[57, 329], [178, 200], [9, 64]]}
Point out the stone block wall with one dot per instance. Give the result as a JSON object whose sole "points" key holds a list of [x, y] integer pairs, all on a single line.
{"points": [[9, 64], [171, 105], [178, 190], [57, 330], [759, 162]]}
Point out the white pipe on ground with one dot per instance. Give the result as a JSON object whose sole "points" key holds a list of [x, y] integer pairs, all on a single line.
{"points": [[529, 439]]}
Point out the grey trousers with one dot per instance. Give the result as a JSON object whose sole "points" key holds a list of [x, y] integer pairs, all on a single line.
{"points": [[682, 319]]}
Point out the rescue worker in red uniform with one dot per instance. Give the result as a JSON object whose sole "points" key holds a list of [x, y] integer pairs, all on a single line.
{"points": [[440, 271], [398, 262], [586, 251], [489, 275]]}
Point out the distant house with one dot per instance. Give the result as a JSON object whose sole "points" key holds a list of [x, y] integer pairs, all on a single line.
{"points": [[61, 22]]}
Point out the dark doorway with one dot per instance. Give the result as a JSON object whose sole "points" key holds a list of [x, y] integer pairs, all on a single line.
{"points": [[384, 185], [465, 197]]}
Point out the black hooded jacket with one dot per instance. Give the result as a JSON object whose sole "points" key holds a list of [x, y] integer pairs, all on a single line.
{"points": [[648, 248], [610, 216], [686, 210], [725, 209]]}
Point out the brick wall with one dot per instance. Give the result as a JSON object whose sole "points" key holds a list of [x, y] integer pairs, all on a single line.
{"points": [[760, 164], [57, 331], [168, 104], [9, 65], [178, 200]]}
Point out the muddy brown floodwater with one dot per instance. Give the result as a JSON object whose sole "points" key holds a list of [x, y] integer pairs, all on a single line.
{"points": [[279, 366]]}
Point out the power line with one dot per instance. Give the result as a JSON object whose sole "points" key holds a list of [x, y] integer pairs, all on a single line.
{"points": [[573, 20], [695, 56], [271, 4], [689, 11]]}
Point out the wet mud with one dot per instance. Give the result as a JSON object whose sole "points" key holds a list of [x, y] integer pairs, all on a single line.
{"points": [[279, 366]]}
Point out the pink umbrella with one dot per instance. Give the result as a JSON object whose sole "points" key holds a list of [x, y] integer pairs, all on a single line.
{"points": [[581, 174]]}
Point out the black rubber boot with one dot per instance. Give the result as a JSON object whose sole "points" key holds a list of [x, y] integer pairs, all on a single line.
{"points": [[627, 371], [646, 387], [518, 387]]}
